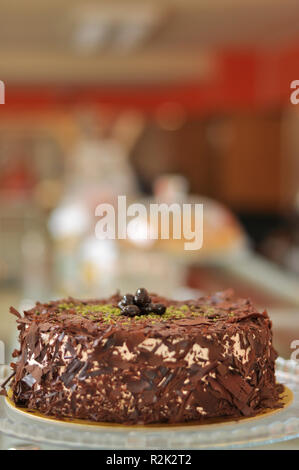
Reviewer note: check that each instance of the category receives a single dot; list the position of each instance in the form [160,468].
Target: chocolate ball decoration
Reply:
[131,310]
[142,297]
[139,304]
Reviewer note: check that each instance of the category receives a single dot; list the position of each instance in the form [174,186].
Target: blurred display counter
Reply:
[250,275]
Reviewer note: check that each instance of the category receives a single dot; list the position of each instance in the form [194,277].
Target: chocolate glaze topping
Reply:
[202,358]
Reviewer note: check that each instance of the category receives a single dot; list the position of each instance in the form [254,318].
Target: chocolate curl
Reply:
[15,312]
[3,385]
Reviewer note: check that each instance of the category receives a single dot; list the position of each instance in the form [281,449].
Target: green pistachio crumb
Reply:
[110,314]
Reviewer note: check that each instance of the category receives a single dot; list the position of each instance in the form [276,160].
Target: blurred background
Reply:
[174,101]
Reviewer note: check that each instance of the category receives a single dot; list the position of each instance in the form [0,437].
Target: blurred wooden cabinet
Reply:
[249,164]
[236,159]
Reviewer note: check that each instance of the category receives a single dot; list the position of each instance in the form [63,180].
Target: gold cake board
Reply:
[286,399]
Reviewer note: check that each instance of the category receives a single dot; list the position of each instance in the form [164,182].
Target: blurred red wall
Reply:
[244,80]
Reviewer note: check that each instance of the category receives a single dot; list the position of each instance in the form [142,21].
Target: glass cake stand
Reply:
[280,425]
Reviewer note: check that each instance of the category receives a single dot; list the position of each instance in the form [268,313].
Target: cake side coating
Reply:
[202,358]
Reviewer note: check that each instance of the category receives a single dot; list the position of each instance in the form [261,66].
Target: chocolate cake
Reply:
[145,359]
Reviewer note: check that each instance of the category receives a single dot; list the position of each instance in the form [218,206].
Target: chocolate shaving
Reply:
[15,312]
[72,369]
[3,385]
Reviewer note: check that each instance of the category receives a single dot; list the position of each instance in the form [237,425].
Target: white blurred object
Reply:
[139,233]
[69,220]
[99,169]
